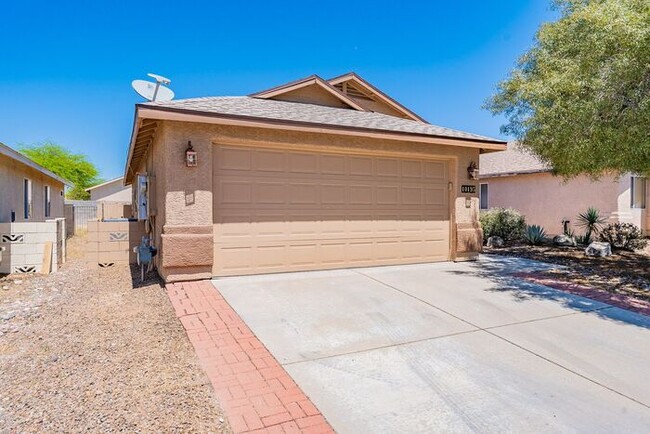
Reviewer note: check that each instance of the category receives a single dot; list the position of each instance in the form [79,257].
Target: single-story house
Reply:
[313,174]
[516,179]
[32,228]
[28,191]
[111,191]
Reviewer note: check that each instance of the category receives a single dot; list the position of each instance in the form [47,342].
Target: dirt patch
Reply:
[84,350]
[626,273]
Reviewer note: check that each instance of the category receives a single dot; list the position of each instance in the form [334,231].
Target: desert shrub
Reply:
[624,236]
[506,223]
[583,239]
[534,235]
[591,221]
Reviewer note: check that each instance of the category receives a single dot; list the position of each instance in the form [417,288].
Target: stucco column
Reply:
[187,240]
[469,235]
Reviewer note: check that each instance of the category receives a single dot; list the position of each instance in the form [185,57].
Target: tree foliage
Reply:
[580,98]
[76,168]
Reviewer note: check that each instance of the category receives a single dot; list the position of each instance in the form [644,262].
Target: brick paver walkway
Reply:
[255,391]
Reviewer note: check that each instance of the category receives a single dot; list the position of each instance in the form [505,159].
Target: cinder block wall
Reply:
[111,243]
[24,244]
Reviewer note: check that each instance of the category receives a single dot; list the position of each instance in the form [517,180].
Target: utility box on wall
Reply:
[142,197]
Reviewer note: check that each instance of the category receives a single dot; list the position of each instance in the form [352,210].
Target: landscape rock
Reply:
[495,242]
[564,240]
[598,249]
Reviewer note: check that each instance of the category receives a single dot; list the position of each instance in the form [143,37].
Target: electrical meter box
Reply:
[142,197]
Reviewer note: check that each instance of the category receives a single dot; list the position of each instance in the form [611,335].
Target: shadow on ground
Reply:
[499,270]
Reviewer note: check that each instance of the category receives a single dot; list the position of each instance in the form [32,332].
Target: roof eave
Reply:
[12,153]
[514,173]
[170,113]
[105,183]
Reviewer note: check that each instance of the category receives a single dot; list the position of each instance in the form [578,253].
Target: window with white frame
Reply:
[638,190]
[47,201]
[27,198]
[483,196]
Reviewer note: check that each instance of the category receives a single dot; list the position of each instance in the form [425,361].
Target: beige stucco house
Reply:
[28,191]
[111,191]
[313,174]
[516,179]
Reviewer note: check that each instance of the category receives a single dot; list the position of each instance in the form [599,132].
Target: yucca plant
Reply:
[534,235]
[591,221]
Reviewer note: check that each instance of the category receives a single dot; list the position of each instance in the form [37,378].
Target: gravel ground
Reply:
[88,350]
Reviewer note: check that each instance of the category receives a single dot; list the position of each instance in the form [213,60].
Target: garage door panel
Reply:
[235,158]
[360,166]
[269,161]
[333,165]
[280,210]
[387,167]
[411,169]
[303,163]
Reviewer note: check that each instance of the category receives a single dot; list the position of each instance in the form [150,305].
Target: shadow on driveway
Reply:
[501,271]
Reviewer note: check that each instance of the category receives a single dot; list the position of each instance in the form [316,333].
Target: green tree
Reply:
[74,167]
[579,99]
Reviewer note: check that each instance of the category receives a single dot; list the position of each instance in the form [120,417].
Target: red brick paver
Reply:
[619,300]
[253,388]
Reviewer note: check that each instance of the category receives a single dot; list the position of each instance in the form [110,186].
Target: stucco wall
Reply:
[112,192]
[12,174]
[546,200]
[183,201]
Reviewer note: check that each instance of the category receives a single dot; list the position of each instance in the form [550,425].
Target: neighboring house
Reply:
[314,174]
[516,179]
[28,191]
[111,191]
[31,215]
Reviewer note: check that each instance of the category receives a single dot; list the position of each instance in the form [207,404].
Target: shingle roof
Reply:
[512,161]
[313,114]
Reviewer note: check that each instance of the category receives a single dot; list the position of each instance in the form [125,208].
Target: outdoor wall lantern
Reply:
[190,155]
[472,171]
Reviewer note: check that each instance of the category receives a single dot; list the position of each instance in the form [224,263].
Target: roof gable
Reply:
[370,97]
[310,90]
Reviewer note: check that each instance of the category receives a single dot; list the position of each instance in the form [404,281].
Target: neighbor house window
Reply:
[638,192]
[483,196]
[27,199]
[47,205]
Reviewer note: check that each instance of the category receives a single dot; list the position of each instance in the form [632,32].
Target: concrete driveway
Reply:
[451,347]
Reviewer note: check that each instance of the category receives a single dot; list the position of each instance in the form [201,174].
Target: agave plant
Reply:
[534,235]
[591,221]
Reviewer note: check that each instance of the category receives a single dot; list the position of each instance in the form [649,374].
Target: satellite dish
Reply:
[153,91]
[159,78]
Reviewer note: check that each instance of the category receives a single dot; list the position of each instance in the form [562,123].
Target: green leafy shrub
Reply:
[534,235]
[506,223]
[583,240]
[591,221]
[624,236]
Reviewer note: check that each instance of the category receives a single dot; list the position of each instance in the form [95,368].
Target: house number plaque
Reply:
[468,189]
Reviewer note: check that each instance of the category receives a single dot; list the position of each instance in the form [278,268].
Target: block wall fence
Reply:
[112,243]
[24,245]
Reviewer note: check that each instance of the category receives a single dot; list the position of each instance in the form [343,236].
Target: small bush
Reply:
[583,240]
[534,235]
[505,223]
[624,236]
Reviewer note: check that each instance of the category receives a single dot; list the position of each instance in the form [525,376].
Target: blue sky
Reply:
[66,67]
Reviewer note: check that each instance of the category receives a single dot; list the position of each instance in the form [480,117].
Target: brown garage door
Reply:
[286,210]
